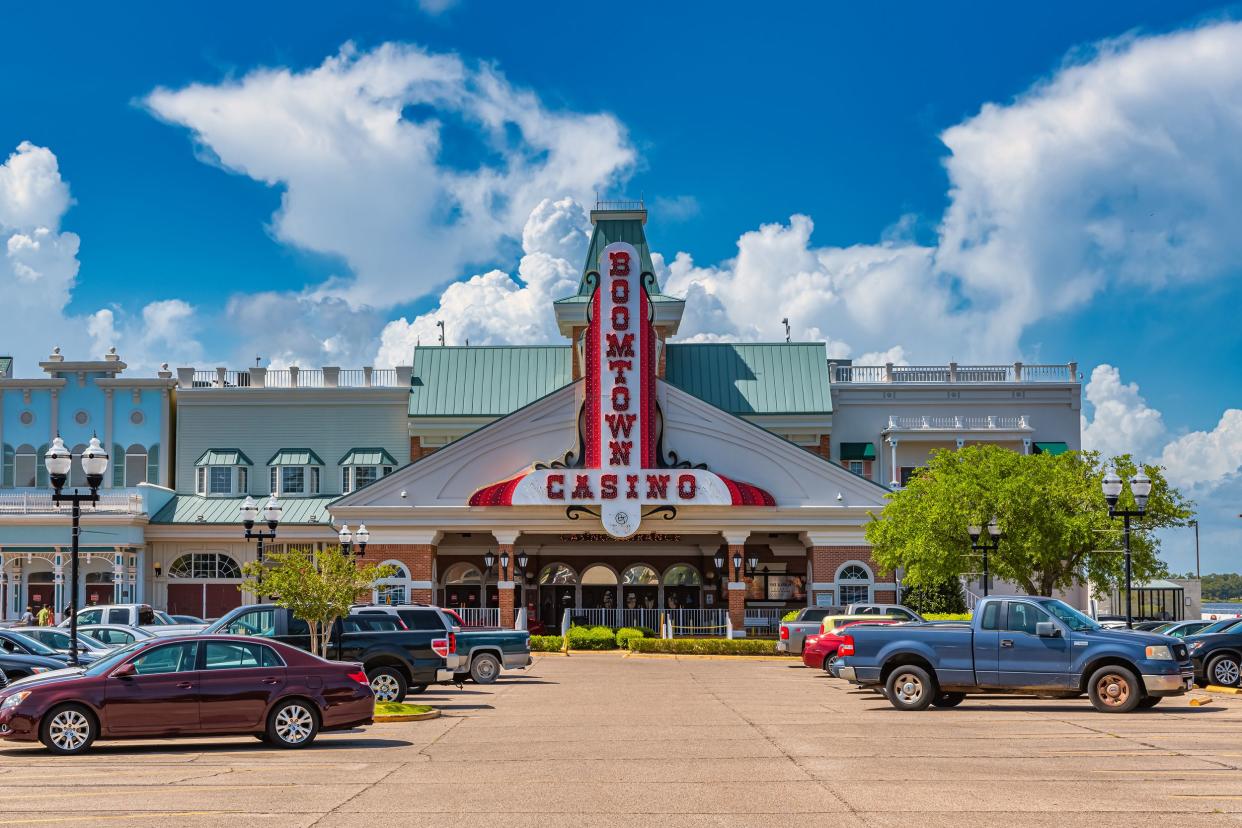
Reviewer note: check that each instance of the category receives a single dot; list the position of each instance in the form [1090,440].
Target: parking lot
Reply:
[594,740]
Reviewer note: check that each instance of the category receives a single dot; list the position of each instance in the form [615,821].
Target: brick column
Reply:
[419,558]
[504,586]
[736,585]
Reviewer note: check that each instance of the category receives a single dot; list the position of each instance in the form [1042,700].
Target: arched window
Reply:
[599,575]
[25,466]
[462,574]
[640,575]
[135,465]
[394,589]
[557,574]
[682,575]
[205,565]
[853,584]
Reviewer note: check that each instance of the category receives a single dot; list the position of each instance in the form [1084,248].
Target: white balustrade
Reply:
[954,373]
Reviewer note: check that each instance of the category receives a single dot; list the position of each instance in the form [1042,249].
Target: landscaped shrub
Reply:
[647,632]
[592,638]
[627,634]
[947,616]
[704,646]
[546,643]
[791,615]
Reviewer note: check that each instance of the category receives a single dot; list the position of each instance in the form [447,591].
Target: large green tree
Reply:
[1050,508]
[317,587]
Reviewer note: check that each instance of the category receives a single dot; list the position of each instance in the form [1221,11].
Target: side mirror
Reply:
[1047,629]
[126,670]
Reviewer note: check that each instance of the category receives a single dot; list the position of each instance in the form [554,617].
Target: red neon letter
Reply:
[619,262]
[620,318]
[620,291]
[556,487]
[687,484]
[608,486]
[582,488]
[620,398]
[620,347]
[620,424]
[632,492]
[657,486]
[620,452]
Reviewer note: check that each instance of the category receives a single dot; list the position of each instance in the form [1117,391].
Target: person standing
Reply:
[45,616]
[28,617]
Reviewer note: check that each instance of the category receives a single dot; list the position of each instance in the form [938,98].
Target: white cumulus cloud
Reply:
[1123,422]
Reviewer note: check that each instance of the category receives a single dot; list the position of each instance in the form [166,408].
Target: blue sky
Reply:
[197,230]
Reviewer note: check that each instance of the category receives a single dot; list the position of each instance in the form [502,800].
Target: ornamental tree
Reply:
[317,587]
[1050,508]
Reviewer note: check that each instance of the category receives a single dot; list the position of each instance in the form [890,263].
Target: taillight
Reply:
[360,677]
[441,646]
[811,640]
[784,633]
[452,642]
[847,646]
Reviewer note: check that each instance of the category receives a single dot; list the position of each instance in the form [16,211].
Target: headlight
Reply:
[14,700]
[1195,645]
[1159,652]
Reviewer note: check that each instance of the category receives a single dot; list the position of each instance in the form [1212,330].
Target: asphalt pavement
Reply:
[604,740]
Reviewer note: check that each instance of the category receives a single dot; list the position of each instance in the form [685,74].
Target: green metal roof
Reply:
[607,231]
[1051,448]
[367,457]
[193,509]
[295,457]
[753,377]
[223,457]
[858,451]
[486,381]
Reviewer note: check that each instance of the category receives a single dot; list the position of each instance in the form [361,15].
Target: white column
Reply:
[165,447]
[108,406]
[896,480]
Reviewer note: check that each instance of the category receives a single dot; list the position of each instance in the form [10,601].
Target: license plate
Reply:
[1190,683]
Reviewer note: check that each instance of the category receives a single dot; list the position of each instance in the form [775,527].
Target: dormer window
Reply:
[222,473]
[294,472]
[363,466]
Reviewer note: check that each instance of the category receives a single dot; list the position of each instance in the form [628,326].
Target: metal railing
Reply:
[221,378]
[39,502]
[649,618]
[958,422]
[620,205]
[294,377]
[479,616]
[954,373]
[767,619]
[712,623]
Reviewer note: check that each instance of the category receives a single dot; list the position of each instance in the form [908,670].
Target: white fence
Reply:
[1017,372]
[649,618]
[765,620]
[677,623]
[39,502]
[1015,422]
[479,616]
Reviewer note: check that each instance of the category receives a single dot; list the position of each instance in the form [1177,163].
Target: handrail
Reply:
[953,373]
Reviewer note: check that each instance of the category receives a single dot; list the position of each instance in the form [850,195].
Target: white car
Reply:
[58,640]
[114,635]
[143,616]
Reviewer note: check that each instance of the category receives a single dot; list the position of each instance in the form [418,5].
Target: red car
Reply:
[197,685]
[821,650]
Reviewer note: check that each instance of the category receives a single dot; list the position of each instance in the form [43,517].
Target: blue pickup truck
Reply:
[1017,644]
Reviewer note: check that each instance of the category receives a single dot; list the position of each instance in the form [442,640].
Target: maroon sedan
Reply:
[197,685]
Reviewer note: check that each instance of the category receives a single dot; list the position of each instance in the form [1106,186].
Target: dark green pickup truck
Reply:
[482,652]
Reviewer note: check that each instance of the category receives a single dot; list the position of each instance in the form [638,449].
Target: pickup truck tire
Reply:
[387,684]
[1114,689]
[909,687]
[484,668]
[1149,701]
[949,699]
[1224,670]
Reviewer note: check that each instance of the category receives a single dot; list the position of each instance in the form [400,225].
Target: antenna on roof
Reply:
[440,325]
[258,361]
[785,322]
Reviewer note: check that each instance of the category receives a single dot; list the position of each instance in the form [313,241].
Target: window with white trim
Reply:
[135,465]
[853,585]
[359,477]
[220,480]
[25,465]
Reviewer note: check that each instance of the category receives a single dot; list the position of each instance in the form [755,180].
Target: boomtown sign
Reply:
[620,473]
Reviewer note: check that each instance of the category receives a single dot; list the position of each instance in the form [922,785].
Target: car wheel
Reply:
[293,724]
[910,688]
[1223,671]
[829,661]
[1149,701]
[387,684]
[949,699]
[484,668]
[1114,690]
[68,730]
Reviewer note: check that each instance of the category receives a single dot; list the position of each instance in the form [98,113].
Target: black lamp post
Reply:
[348,539]
[990,545]
[1140,487]
[489,560]
[271,514]
[737,566]
[94,465]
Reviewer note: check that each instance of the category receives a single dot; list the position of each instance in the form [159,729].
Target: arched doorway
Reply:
[395,589]
[683,587]
[558,586]
[98,588]
[641,585]
[461,586]
[599,587]
[204,584]
[41,590]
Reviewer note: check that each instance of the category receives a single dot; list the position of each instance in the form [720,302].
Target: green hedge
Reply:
[592,638]
[947,616]
[627,634]
[546,643]
[704,646]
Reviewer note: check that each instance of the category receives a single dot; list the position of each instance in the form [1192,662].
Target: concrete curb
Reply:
[412,717]
[710,657]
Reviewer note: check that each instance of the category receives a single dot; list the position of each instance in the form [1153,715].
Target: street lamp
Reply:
[348,539]
[489,559]
[1140,487]
[94,464]
[990,545]
[271,514]
[737,566]
[719,561]
[504,565]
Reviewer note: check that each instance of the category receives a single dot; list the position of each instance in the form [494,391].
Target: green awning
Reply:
[367,457]
[1051,448]
[295,457]
[858,451]
[223,457]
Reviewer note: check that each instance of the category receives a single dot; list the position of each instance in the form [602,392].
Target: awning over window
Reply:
[295,457]
[367,457]
[858,451]
[1051,448]
[223,457]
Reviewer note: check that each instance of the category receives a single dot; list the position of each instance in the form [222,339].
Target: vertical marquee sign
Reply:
[620,474]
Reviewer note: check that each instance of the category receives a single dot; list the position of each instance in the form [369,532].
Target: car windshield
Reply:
[114,658]
[35,647]
[163,618]
[1073,619]
[1219,626]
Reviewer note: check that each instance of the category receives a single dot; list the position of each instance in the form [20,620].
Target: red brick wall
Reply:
[507,616]
[826,560]
[737,597]
[419,558]
[418,450]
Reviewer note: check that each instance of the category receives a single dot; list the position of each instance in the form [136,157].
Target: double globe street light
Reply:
[347,538]
[59,462]
[1140,487]
[990,545]
[271,515]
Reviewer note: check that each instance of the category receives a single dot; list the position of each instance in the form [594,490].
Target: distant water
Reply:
[1219,608]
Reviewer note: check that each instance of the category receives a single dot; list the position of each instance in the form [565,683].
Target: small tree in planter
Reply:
[318,588]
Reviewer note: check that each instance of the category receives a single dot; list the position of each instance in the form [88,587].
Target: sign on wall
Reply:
[620,475]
